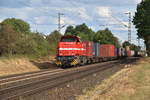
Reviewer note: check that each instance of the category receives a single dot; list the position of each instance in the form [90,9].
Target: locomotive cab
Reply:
[69,46]
[69,49]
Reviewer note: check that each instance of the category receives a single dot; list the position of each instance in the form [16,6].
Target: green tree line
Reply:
[85,33]
[132,46]
[16,38]
[142,22]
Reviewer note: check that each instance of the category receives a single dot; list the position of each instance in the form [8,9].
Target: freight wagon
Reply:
[71,51]
[107,52]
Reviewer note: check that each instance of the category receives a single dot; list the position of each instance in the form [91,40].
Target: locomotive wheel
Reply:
[83,61]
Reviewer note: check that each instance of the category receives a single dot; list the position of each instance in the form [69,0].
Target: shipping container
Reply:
[132,53]
[129,53]
[107,50]
[127,48]
[88,48]
[123,52]
[96,49]
[116,52]
[119,52]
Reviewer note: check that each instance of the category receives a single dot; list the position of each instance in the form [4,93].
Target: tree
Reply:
[16,38]
[142,22]
[70,31]
[53,39]
[84,32]
[106,37]
[8,39]
[81,30]
[18,25]
[135,48]
[126,43]
[43,46]
[132,46]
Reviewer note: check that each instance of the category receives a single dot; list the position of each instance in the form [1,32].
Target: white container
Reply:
[132,52]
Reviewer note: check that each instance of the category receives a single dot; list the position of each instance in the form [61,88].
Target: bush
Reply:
[15,41]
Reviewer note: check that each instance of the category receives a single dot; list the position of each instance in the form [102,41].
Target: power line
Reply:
[119,21]
[72,3]
[127,26]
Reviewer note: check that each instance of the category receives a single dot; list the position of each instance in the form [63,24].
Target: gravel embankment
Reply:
[71,90]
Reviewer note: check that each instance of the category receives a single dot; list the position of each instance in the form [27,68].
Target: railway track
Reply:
[18,78]
[47,80]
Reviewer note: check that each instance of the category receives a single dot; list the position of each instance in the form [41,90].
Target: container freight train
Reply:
[71,51]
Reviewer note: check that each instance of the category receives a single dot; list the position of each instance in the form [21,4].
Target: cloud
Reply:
[22,13]
[93,28]
[112,3]
[103,11]
[120,29]
[42,15]
[40,20]
[35,3]
[68,21]
[121,39]
[137,1]
[1,19]
[65,21]
[14,3]
[83,13]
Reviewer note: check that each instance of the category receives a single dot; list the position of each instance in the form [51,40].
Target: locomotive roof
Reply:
[71,36]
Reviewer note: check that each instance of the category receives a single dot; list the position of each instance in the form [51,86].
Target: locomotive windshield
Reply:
[68,39]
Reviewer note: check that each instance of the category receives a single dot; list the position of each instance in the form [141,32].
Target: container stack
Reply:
[107,50]
[132,53]
[128,51]
[96,49]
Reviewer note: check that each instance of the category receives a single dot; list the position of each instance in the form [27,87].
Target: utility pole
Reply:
[59,22]
[129,27]
[138,41]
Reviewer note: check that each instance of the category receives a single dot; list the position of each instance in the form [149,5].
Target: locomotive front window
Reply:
[68,40]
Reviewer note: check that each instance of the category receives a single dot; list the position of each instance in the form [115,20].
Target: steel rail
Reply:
[50,82]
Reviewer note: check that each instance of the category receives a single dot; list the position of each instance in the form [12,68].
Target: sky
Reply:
[42,15]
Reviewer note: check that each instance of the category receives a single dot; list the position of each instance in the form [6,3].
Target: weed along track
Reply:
[28,84]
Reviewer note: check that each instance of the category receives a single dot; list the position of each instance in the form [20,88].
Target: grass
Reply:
[141,80]
[131,83]
[30,57]
[14,64]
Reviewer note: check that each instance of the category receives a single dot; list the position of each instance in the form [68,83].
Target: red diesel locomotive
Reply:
[72,51]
